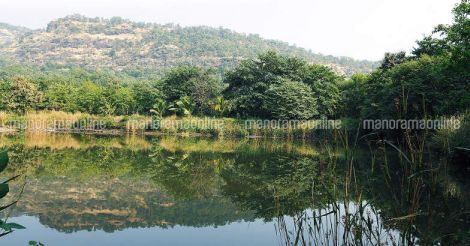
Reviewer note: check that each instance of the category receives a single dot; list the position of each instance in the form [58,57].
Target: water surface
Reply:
[89,190]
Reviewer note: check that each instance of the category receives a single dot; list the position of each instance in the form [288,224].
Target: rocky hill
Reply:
[123,45]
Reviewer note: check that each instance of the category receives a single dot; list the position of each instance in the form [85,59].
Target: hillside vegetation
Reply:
[140,48]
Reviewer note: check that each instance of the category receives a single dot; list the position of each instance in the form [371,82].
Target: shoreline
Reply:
[121,132]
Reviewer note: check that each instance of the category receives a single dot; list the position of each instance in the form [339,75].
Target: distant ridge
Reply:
[124,45]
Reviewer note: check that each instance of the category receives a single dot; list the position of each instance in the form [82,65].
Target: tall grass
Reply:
[57,121]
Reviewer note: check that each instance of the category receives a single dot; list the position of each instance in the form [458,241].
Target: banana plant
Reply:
[159,109]
[220,105]
[184,106]
[6,228]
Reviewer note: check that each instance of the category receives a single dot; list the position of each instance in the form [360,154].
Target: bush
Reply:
[291,100]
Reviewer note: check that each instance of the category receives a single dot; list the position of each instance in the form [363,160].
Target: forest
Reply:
[211,134]
[432,81]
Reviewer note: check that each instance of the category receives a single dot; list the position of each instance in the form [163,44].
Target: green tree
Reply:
[248,83]
[122,99]
[453,39]
[61,96]
[392,59]
[22,95]
[324,84]
[353,95]
[221,106]
[177,83]
[183,107]
[291,100]
[90,98]
[146,93]
[202,86]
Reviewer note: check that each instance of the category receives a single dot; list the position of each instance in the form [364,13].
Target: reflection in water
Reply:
[310,194]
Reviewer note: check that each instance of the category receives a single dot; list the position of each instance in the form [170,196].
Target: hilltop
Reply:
[136,47]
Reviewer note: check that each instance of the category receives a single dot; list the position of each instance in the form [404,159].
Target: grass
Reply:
[57,121]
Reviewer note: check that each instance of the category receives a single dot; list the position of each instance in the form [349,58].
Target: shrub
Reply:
[291,100]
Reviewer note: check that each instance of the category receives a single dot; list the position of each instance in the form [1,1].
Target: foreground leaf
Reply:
[3,160]
[4,189]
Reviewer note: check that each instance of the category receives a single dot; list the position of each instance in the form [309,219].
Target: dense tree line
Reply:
[284,87]
[432,81]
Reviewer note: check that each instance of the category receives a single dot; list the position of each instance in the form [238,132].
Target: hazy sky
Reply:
[363,29]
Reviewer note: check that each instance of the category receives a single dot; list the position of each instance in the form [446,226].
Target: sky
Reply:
[362,29]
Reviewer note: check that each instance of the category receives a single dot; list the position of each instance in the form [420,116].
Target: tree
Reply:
[453,39]
[248,83]
[177,83]
[204,89]
[324,84]
[183,107]
[122,99]
[221,105]
[91,98]
[433,82]
[22,95]
[353,95]
[61,96]
[392,59]
[290,100]
[146,93]
[202,86]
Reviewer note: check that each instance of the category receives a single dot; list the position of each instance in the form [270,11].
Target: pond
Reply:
[92,190]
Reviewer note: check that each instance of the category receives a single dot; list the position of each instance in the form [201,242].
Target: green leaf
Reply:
[34,243]
[4,189]
[3,160]
[10,226]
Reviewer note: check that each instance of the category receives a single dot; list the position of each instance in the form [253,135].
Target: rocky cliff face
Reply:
[120,44]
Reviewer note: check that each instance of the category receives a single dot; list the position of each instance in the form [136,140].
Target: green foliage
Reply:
[324,84]
[156,47]
[159,108]
[221,106]
[5,226]
[89,98]
[177,83]
[434,82]
[189,90]
[249,82]
[183,107]
[201,86]
[3,160]
[392,59]
[450,40]
[35,243]
[353,95]
[61,96]
[460,137]
[21,95]
[146,93]
[291,100]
